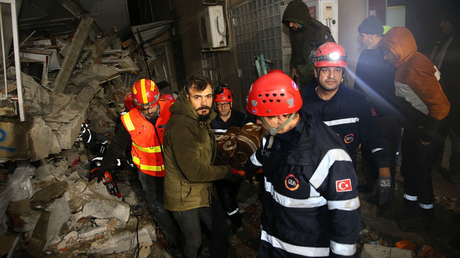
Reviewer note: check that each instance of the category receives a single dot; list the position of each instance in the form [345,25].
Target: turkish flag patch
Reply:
[343,185]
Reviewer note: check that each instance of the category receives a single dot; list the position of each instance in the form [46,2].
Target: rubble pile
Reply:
[50,206]
[62,77]
[58,211]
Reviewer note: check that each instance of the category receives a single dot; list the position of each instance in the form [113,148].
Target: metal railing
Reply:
[17,64]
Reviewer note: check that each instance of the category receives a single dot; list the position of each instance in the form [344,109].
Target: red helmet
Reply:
[145,92]
[274,94]
[224,97]
[129,101]
[330,54]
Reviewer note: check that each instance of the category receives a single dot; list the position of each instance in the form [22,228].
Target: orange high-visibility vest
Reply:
[146,146]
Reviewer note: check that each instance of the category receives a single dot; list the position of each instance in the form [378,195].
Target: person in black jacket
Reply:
[228,117]
[346,111]
[375,79]
[310,201]
[305,35]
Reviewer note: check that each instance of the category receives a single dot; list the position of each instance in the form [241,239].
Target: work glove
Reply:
[384,190]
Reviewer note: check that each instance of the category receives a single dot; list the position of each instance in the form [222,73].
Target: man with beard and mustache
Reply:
[142,128]
[344,110]
[190,150]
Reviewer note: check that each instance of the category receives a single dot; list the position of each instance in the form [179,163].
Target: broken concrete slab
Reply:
[378,251]
[118,243]
[43,141]
[68,241]
[22,217]
[59,215]
[49,172]
[43,197]
[96,72]
[121,242]
[19,188]
[36,98]
[75,191]
[76,45]
[101,208]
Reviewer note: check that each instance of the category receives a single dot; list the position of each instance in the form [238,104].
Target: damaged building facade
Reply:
[71,62]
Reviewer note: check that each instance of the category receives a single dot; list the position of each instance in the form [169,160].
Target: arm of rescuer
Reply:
[335,180]
[187,155]
[373,140]
[117,148]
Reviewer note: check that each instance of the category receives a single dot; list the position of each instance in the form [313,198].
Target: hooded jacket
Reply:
[189,152]
[310,36]
[416,71]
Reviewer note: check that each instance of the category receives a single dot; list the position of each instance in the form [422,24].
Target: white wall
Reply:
[351,14]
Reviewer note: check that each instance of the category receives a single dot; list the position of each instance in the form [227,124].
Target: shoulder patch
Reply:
[291,182]
[343,185]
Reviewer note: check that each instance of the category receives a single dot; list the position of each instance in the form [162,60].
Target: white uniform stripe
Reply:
[328,160]
[343,249]
[285,201]
[376,149]
[294,249]
[220,130]
[426,206]
[342,121]
[412,198]
[313,192]
[233,212]
[346,205]
[255,161]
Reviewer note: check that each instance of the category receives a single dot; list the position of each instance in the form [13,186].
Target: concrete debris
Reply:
[378,251]
[122,242]
[96,72]
[101,208]
[43,141]
[21,216]
[59,215]
[43,197]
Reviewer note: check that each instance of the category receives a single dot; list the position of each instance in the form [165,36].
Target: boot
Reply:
[410,219]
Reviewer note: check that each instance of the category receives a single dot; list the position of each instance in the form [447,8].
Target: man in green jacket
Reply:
[189,154]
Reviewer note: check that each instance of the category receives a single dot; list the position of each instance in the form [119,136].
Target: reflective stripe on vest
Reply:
[147,167]
[154,149]
[127,121]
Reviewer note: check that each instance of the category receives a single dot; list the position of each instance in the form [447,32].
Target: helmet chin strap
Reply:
[274,131]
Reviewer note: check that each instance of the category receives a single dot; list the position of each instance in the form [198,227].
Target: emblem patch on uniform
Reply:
[343,185]
[349,138]
[291,182]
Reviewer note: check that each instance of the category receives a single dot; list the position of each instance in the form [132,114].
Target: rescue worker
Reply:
[228,117]
[425,107]
[305,34]
[346,111]
[375,79]
[190,150]
[142,127]
[310,202]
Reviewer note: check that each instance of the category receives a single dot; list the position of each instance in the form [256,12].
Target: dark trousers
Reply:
[417,162]
[153,192]
[213,219]
[228,191]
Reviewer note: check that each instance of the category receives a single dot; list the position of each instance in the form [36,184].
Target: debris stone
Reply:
[102,208]
[46,195]
[378,251]
[59,215]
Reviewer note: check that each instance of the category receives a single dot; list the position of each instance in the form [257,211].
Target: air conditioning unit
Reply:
[213,29]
